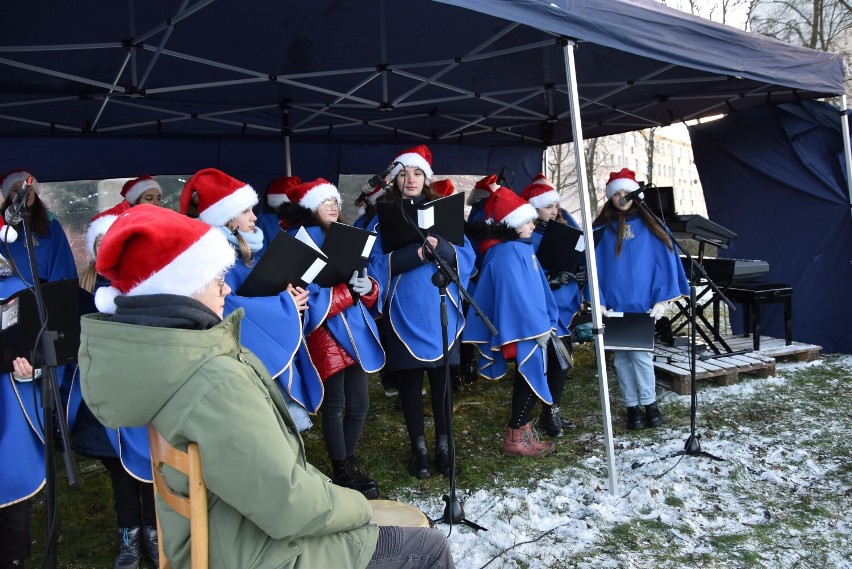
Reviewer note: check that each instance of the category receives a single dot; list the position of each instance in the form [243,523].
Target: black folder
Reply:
[348,250]
[629,331]
[285,261]
[563,248]
[20,325]
[443,217]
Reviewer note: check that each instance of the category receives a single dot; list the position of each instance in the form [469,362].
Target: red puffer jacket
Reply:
[328,356]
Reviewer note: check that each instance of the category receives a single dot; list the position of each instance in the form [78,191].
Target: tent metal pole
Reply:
[847,153]
[288,167]
[591,263]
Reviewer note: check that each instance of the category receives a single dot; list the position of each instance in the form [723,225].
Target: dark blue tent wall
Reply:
[774,176]
[256,161]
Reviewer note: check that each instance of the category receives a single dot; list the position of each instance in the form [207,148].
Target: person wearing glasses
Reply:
[411,316]
[341,334]
[164,352]
[272,328]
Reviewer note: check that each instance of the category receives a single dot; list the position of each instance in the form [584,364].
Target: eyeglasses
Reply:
[331,205]
[221,282]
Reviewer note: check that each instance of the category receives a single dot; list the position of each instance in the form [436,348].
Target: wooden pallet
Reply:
[672,367]
[776,348]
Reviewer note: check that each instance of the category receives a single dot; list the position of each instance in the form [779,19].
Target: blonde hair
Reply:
[89,277]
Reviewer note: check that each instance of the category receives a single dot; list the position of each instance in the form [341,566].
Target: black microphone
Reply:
[634,195]
[378,179]
[13,214]
[501,178]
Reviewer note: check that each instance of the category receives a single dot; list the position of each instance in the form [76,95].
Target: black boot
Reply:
[653,417]
[634,418]
[130,551]
[553,422]
[348,475]
[442,455]
[418,464]
[151,544]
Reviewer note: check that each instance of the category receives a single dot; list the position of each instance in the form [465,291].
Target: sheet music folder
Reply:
[443,216]
[563,248]
[348,250]
[285,261]
[19,323]
[629,331]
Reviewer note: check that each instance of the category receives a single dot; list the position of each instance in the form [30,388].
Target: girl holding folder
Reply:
[272,328]
[639,271]
[341,335]
[411,317]
[566,291]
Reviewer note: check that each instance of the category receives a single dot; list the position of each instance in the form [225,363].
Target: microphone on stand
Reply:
[13,214]
[501,178]
[637,195]
[378,179]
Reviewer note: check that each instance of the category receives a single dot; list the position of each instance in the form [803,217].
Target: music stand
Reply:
[692,445]
[454,510]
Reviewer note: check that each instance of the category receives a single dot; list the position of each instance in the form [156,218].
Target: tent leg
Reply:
[847,153]
[591,263]
[288,168]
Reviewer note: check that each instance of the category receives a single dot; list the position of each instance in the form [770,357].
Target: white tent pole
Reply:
[847,153]
[591,263]
[288,169]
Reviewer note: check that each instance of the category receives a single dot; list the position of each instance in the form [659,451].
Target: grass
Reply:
[87,523]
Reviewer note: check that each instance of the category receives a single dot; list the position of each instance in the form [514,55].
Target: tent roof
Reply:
[488,72]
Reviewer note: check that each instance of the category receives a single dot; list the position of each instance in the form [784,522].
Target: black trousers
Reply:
[14,532]
[411,399]
[344,411]
[134,499]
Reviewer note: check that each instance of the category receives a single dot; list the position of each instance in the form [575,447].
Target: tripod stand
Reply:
[44,356]
[692,445]
[442,278]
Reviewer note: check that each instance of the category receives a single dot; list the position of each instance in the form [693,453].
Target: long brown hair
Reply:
[38,215]
[610,214]
[89,277]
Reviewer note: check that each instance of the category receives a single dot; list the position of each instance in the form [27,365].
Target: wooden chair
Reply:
[193,508]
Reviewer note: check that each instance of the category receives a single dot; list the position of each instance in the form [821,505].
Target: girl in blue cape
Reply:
[267,218]
[638,271]
[541,194]
[342,337]
[512,291]
[272,327]
[124,451]
[54,259]
[411,318]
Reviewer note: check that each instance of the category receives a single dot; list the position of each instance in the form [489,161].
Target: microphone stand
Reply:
[692,445]
[50,399]
[454,510]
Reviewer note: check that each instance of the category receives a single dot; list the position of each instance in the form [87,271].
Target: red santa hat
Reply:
[101,222]
[442,188]
[310,195]
[540,192]
[276,193]
[154,250]
[419,157]
[220,197]
[7,232]
[625,181]
[133,189]
[482,189]
[505,206]
[10,179]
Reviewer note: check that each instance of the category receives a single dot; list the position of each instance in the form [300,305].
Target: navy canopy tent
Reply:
[104,89]
[776,176]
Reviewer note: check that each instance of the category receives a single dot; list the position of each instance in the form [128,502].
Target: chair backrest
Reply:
[194,508]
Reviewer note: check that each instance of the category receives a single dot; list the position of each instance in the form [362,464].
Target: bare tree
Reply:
[818,24]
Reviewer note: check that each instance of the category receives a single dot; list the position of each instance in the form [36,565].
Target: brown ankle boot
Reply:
[525,442]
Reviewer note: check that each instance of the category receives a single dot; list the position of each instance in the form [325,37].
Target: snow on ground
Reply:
[696,501]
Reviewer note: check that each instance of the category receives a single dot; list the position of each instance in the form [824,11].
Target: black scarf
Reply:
[164,311]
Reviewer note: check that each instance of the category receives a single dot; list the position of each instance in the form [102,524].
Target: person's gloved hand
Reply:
[542,340]
[658,310]
[360,284]
[606,311]
[581,278]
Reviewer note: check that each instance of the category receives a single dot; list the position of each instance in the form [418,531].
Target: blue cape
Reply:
[512,291]
[354,328]
[272,329]
[644,274]
[412,303]
[54,259]
[268,223]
